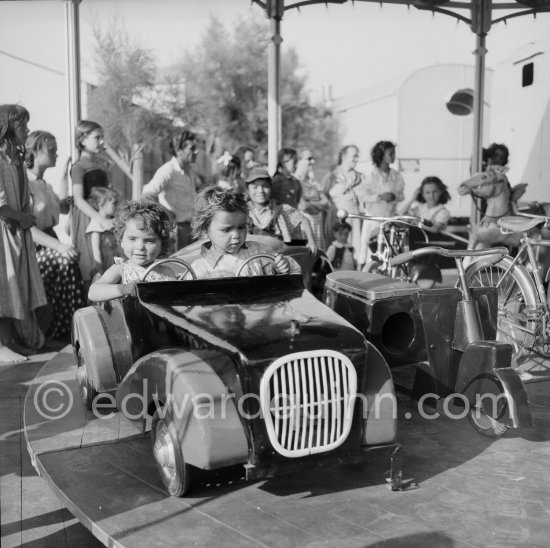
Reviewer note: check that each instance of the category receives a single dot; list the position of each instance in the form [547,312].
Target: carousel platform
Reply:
[102,470]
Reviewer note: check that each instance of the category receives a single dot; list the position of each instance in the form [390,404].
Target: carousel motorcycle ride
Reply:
[440,341]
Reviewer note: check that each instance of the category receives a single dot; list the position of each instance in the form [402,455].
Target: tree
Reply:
[226,91]
[126,74]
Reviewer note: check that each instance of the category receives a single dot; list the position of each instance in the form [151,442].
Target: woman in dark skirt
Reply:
[58,261]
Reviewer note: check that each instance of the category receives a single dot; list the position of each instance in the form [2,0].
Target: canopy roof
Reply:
[478,14]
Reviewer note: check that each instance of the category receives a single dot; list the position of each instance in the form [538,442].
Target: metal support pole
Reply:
[273,93]
[137,172]
[479,92]
[72,46]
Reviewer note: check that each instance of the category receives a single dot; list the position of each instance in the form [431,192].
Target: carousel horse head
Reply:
[487,184]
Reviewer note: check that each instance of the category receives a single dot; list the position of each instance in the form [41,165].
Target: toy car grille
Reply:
[307,402]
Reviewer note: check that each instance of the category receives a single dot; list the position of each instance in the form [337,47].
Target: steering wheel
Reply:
[181,262]
[254,258]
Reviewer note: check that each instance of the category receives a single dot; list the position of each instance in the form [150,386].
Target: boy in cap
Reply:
[269,217]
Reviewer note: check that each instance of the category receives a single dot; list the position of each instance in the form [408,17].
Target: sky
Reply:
[348,47]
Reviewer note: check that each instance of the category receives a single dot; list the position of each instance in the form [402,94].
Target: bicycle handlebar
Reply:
[498,252]
[408,220]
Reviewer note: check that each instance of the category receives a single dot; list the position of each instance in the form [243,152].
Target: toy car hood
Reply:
[261,318]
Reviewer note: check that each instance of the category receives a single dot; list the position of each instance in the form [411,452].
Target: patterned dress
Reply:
[134,273]
[60,274]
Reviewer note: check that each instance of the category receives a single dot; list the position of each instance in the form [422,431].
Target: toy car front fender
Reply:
[91,341]
[208,425]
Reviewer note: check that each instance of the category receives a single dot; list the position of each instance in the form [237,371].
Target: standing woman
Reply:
[21,288]
[58,261]
[384,189]
[345,188]
[88,171]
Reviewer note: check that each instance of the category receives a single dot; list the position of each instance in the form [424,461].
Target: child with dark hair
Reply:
[102,241]
[428,202]
[340,252]
[222,216]
[145,232]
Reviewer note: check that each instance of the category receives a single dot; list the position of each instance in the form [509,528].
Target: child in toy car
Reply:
[145,232]
[221,215]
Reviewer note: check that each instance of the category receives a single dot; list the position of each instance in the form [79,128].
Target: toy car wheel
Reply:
[87,392]
[175,473]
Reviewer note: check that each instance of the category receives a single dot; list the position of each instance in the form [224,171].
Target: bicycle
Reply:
[523,300]
[392,240]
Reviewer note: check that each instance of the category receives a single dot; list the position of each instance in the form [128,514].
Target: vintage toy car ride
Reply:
[250,370]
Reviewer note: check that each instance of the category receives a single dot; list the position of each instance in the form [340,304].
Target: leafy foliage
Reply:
[219,89]
[127,75]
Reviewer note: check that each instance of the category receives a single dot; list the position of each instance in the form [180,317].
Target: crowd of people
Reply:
[109,241]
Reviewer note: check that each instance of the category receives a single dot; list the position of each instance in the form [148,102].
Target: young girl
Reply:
[21,288]
[145,232]
[91,170]
[222,216]
[428,202]
[103,242]
[384,189]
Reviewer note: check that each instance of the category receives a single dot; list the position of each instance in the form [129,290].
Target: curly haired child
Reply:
[145,232]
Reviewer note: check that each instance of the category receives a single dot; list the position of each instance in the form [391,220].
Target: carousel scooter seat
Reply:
[369,286]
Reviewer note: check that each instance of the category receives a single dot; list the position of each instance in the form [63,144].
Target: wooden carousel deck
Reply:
[467,491]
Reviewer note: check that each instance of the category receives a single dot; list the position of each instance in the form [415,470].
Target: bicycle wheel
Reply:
[516,324]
